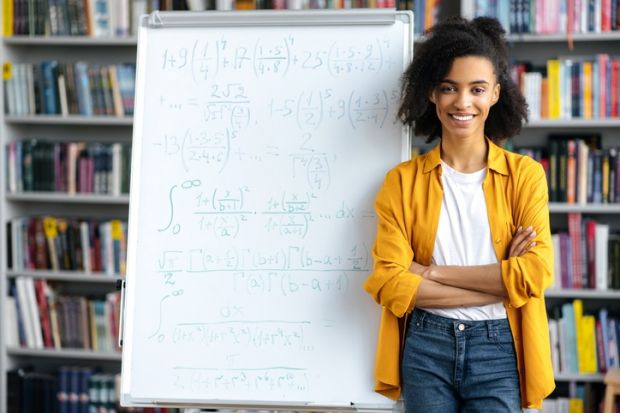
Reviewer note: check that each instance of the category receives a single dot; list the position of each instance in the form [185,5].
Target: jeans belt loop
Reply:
[492,328]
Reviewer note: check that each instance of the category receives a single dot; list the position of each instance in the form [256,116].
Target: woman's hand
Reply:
[522,242]
[423,270]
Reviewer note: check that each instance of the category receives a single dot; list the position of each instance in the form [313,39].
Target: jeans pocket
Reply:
[504,342]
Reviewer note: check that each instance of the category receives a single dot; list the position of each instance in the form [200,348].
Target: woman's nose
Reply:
[463,100]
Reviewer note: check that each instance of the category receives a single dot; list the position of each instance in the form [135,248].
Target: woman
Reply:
[463,250]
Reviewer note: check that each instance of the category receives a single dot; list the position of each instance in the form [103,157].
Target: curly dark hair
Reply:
[452,38]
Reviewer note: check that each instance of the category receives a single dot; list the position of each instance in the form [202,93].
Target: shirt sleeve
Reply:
[391,284]
[528,275]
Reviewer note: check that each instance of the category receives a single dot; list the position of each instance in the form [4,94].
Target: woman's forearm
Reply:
[482,278]
[432,294]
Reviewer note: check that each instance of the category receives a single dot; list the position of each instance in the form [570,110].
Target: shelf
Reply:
[64,354]
[563,37]
[556,207]
[573,123]
[63,197]
[70,120]
[69,41]
[75,276]
[598,377]
[582,293]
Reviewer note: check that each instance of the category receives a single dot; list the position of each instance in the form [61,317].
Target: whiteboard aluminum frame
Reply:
[353,17]
[158,20]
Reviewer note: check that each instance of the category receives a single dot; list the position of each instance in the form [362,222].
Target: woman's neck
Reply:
[464,155]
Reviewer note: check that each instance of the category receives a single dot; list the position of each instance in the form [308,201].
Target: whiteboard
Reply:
[260,140]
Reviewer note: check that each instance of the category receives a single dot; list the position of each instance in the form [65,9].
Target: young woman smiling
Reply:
[463,248]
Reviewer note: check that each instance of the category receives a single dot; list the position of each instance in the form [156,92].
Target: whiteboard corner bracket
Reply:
[155,21]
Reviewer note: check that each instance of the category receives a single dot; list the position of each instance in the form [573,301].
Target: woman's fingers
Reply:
[522,241]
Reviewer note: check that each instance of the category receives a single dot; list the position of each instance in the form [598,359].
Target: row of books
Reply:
[570,88]
[579,398]
[563,405]
[69,390]
[583,343]
[55,88]
[96,18]
[578,171]
[37,316]
[586,257]
[310,4]
[120,18]
[71,167]
[69,244]
[548,16]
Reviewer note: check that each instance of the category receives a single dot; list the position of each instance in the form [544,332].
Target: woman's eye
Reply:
[447,89]
[479,90]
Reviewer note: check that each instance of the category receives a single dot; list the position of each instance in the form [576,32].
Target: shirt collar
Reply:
[496,160]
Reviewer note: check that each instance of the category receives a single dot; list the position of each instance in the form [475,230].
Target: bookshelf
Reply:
[58,128]
[21,49]
[538,49]
[32,49]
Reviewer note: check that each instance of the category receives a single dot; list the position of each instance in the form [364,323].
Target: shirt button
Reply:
[497,241]
[461,327]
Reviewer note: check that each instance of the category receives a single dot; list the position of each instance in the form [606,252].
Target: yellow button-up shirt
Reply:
[408,206]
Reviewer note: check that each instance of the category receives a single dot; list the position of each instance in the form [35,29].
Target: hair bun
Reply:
[490,27]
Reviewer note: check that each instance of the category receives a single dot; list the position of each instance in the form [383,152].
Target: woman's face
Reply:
[465,96]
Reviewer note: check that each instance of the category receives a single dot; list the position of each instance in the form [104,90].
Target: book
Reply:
[587,353]
[33,311]
[568,315]
[53,243]
[602,328]
[40,286]
[601,256]
[11,324]
[599,349]
[50,87]
[574,229]
[553,85]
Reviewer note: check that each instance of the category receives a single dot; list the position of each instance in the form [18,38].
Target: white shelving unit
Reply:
[69,120]
[69,41]
[539,48]
[573,123]
[68,198]
[21,49]
[70,276]
[559,208]
[563,38]
[68,355]
[585,294]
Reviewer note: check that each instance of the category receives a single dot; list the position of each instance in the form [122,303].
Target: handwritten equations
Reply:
[258,154]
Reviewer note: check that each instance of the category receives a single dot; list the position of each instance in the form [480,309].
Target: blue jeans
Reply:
[459,366]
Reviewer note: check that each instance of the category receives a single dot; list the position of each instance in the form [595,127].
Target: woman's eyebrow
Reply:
[474,82]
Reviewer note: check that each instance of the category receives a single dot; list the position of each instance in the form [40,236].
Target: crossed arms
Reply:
[449,286]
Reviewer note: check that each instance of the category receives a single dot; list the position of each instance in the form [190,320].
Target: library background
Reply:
[66,125]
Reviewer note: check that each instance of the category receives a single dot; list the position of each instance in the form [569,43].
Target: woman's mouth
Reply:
[462,118]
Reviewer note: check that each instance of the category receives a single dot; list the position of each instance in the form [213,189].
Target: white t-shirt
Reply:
[464,235]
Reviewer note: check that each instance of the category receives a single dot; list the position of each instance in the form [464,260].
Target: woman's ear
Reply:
[431,96]
[496,92]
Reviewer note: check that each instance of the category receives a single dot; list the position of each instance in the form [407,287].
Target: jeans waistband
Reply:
[422,318]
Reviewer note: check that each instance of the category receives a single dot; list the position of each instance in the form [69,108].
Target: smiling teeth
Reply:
[467,117]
